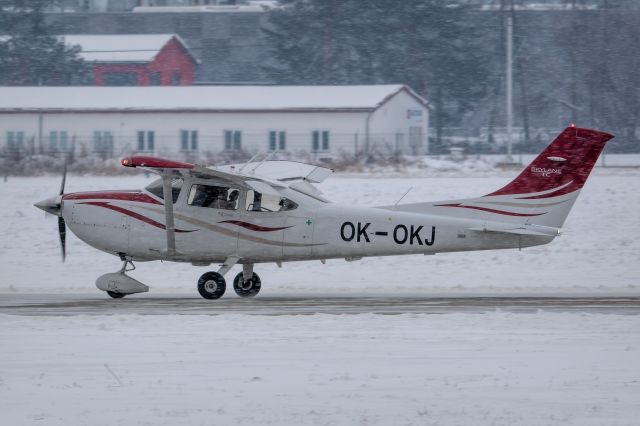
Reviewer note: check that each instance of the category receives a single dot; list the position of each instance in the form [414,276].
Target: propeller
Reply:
[53,206]
[62,227]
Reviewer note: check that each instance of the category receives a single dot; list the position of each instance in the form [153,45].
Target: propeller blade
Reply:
[62,232]
[64,177]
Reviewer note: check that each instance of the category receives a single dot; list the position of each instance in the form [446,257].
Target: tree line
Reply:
[570,66]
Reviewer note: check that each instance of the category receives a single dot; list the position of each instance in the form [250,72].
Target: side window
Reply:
[286,205]
[156,189]
[232,140]
[188,140]
[257,202]
[215,197]
[320,140]
[146,140]
[277,140]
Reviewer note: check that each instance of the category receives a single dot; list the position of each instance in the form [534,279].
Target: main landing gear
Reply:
[212,285]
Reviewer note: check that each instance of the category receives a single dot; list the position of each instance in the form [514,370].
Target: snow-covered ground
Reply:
[455,369]
[493,368]
[599,251]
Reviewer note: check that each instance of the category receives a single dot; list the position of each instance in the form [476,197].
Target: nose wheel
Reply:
[116,295]
[247,288]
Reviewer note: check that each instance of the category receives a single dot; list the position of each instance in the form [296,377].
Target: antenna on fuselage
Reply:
[404,195]
[263,160]
[248,162]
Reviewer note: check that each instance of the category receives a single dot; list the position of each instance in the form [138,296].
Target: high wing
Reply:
[277,173]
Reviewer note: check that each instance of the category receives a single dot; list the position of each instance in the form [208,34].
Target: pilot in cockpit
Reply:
[233,200]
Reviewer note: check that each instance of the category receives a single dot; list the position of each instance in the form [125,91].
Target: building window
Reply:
[103,141]
[121,79]
[154,79]
[188,140]
[232,140]
[277,140]
[320,140]
[58,140]
[15,141]
[146,140]
[176,78]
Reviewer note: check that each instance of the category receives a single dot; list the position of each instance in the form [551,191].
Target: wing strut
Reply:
[167,192]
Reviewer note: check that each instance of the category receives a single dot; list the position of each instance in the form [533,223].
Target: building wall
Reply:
[171,61]
[347,131]
[400,124]
[344,129]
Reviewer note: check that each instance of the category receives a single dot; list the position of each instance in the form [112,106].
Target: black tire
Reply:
[211,285]
[116,295]
[249,288]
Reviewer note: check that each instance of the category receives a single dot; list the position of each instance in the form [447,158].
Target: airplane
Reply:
[270,211]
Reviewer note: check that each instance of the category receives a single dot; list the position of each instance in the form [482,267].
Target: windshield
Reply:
[155,188]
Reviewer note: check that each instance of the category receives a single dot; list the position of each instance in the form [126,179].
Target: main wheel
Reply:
[116,295]
[246,288]
[211,285]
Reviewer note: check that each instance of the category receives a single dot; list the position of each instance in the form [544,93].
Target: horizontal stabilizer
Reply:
[543,231]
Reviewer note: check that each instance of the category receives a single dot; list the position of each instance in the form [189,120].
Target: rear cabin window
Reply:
[216,197]
[155,188]
[257,202]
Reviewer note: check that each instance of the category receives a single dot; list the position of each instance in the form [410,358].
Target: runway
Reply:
[100,304]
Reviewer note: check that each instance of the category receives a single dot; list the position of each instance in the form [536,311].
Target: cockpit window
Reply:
[216,197]
[286,205]
[155,188]
[257,202]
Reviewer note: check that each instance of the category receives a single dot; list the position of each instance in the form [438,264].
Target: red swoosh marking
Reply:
[253,227]
[113,195]
[132,214]
[502,212]
[557,193]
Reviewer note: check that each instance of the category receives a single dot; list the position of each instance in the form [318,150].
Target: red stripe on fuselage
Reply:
[136,196]
[484,209]
[253,227]
[131,214]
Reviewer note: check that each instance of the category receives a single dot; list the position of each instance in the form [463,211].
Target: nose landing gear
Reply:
[119,284]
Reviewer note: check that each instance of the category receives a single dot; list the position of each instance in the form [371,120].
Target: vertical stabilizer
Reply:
[543,193]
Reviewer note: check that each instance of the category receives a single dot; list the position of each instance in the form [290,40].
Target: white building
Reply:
[168,121]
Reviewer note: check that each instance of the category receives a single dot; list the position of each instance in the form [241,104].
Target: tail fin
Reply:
[562,168]
[546,189]
[543,193]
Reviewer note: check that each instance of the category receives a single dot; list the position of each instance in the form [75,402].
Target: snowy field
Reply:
[455,369]
[492,368]
[599,251]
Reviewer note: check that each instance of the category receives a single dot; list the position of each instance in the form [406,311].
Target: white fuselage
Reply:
[132,223]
